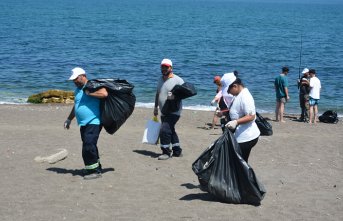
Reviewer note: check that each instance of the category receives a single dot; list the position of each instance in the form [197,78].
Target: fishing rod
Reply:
[301,48]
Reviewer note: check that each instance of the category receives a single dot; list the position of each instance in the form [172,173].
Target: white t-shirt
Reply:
[243,104]
[315,88]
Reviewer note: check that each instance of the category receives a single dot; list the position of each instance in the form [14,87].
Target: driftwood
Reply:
[54,158]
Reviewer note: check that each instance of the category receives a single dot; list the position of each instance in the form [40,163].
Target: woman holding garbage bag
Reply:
[242,114]
[222,169]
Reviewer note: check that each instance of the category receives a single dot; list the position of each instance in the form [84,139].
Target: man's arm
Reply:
[70,118]
[305,82]
[156,104]
[101,93]
[286,92]
[72,114]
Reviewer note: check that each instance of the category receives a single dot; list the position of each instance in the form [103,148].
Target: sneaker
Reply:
[164,157]
[177,151]
[177,155]
[92,176]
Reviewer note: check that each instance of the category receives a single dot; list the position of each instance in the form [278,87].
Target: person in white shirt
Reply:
[315,87]
[242,114]
[226,98]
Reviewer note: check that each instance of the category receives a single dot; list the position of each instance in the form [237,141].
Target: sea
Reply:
[42,40]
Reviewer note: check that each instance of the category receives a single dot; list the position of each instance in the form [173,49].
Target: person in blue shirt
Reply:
[282,96]
[87,112]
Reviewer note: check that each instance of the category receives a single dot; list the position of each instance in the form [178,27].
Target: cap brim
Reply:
[73,77]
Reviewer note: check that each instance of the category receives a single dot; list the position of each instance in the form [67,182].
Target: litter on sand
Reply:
[54,158]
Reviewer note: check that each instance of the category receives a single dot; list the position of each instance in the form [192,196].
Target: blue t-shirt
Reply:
[280,83]
[87,108]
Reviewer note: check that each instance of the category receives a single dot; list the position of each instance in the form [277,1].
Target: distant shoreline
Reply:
[191,108]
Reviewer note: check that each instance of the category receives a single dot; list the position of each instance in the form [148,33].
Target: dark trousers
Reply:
[304,105]
[246,148]
[90,154]
[168,134]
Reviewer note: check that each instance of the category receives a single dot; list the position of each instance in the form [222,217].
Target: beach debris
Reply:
[52,96]
[54,158]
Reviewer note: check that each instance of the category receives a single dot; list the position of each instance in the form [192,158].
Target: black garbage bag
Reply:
[264,126]
[171,106]
[118,106]
[224,174]
[180,92]
[184,91]
[329,116]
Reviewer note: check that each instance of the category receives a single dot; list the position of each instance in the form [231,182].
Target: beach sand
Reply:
[300,166]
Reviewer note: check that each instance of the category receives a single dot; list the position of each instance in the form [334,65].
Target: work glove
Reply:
[67,124]
[170,96]
[232,124]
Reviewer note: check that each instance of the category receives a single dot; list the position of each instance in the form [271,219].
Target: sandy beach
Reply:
[301,167]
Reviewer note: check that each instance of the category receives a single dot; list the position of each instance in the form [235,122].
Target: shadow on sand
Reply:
[75,172]
[197,196]
[147,153]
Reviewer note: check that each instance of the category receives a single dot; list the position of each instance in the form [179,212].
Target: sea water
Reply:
[42,40]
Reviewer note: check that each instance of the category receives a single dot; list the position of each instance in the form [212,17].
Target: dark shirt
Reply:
[304,85]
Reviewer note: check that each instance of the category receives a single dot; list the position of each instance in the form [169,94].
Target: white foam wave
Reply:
[191,107]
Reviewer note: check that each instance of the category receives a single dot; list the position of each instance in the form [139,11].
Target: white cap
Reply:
[306,70]
[76,72]
[166,62]
[226,81]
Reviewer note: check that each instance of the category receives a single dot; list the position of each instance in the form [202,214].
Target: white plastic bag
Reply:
[151,132]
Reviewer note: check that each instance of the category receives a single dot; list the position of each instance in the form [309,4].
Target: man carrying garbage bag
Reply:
[169,118]
[87,112]
[99,103]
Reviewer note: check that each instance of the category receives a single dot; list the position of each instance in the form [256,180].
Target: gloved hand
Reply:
[67,124]
[170,96]
[213,102]
[232,124]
